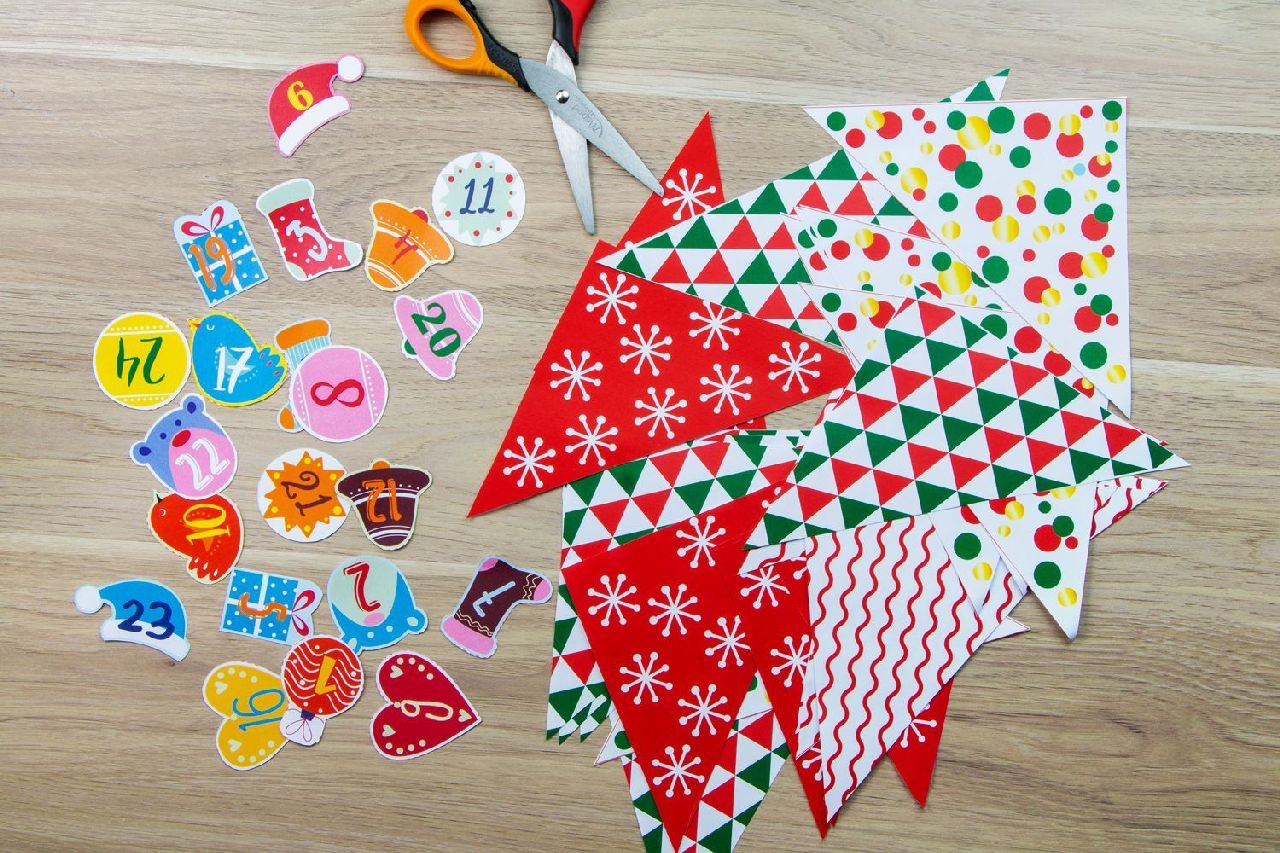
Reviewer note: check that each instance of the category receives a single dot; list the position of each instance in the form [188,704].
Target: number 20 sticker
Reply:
[478,198]
[438,328]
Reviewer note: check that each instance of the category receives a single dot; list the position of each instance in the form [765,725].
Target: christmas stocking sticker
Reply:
[404,244]
[424,710]
[438,328]
[495,589]
[142,611]
[307,249]
[207,532]
[303,100]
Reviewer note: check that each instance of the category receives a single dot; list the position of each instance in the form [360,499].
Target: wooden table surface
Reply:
[1157,727]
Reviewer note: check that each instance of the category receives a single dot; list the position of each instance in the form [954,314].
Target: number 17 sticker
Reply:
[438,328]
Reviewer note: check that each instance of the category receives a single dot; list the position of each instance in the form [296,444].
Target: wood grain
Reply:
[1157,728]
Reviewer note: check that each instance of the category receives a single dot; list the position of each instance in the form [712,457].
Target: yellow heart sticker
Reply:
[251,702]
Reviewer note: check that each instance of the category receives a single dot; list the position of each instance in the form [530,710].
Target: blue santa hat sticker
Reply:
[143,612]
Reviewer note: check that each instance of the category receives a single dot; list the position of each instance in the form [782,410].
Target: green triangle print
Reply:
[758,272]
[662,241]
[855,512]
[768,201]
[730,207]
[838,168]
[899,344]
[733,299]
[838,435]
[991,404]
[893,207]
[697,237]
[1084,464]
[804,173]
[631,266]
[981,92]
[736,485]
[561,631]
[809,463]
[572,521]
[780,527]
[752,446]
[870,370]
[914,420]
[797,275]
[564,701]
[931,496]
[695,494]
[957,431]
[1034,414]
[627,475]
[1065,393]
[624,538]
[1044,484]
[586,487]
[1159,453]
[941,354]
[718,840]
[1008,481]
[881,447]
[972,332]
[758,774]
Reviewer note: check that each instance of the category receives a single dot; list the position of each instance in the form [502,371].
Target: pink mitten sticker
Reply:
[336,393]
[438,328]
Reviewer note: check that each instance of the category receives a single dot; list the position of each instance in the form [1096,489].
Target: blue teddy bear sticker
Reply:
[188,451]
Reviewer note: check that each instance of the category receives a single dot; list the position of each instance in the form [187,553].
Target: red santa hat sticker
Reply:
[303,100]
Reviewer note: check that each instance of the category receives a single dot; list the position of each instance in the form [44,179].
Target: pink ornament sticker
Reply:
[336,393]
[438,328]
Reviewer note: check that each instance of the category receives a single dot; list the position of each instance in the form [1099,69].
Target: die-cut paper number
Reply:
[298,498]
[141,360]
[404,244]
[276,608]
[478,198]
[219,252]
[386,500]
[322,678]
[251,702]
[228,365]
[372,604]
[143,612]
[207,532]
[437,329]
[336,393]
[424,708]
[188,451]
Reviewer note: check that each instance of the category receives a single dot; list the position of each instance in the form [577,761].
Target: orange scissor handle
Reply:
[488,57]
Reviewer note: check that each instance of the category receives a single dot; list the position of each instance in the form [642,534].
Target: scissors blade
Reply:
[563,97]
[573,146]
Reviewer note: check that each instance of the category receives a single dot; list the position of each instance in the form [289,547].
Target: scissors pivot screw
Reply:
[562,97]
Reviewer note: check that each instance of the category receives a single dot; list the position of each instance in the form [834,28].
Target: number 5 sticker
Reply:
[437,329]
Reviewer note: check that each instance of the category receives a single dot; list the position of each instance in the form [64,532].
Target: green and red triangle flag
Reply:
[632,368]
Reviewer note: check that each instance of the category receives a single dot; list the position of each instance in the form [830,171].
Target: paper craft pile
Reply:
[953,280]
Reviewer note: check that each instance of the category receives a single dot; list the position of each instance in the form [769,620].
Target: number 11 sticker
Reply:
[478,198]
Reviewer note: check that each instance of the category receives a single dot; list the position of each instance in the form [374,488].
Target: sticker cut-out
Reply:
[404,244]
[298,496]
[208,532]
[495,589]
[322,678]
[228,365]
[251,702]
[437,329]
[188,451]
[219,252]
[308,250]
[275,608]
[386,499]
[424,708]
[336,393]
[303,100]
[141,360]
[478,198]
[372,604]
[143,612]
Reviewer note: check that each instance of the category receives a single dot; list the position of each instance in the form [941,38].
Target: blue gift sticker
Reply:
[275,608]
[218,252]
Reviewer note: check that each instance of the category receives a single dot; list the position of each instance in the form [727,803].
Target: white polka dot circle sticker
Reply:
[478,198]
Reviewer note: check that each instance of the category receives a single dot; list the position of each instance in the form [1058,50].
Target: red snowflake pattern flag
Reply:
[916,752]
[677,672]
[691,187]
[633,368]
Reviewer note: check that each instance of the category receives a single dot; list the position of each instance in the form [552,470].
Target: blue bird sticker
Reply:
[229,366]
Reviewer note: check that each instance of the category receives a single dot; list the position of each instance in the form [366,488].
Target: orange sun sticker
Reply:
[298,497]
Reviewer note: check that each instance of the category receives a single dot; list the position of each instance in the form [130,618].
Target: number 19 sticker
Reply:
[478,198]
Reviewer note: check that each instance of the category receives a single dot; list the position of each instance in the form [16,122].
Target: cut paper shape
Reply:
[740,254]
[218,251]
[690,187]
[386,499]
[322,678]
[404,244]
[336,393]
[141,360]
[298,495]
[208,532]
[228,365]
[478,198]
[495,590]
[437,329]
[952,421]
[188,451]
[1123,499]
[372,604]
[250,700]
[275,608]
[143,612]
[1030,193]
[303,100]
[1045,539]
[974,555]
[307,249]
[633,368]
[425,709]
[915,754]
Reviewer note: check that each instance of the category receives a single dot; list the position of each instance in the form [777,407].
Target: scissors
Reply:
[575,120]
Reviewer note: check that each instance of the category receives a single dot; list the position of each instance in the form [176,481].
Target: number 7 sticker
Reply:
[438,328]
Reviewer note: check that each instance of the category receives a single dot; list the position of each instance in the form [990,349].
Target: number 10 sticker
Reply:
[478,198]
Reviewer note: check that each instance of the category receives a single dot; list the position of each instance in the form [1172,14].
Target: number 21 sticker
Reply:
[298,495]
[478,198]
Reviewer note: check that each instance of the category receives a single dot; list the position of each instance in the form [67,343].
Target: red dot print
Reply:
[1035,288]
[448,213]
[510,214]
[840,250]
[816,261]
[884,313]
[1056,363]
[510,178]
[477,164]
[1092,229]
[1028,255]
[1026,204]
[892,126]
[1036,126]
[982,251]
[950,156]
[917,113]
[913,260]
[1069,265]
[1046,539]
[907,243]
[918,195]
[1027,339]
[1099,169]
[1113,319]
[1072,542]
[989,208]
[1108,251]
[475,233]
[847,321]
[931,287]
[878,249]
[1070,145]
[1084,389]
[1086,111]
[929,127]
[855,138]
[967,513]
[1086,320]
[451,179]
[998,506]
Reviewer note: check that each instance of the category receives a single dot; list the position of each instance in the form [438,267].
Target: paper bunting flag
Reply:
[634,367]
[1127,494]
[648,608]
[943,416]
[741,255]
[1030,194]
[690,187]
[973,553]
[916,753]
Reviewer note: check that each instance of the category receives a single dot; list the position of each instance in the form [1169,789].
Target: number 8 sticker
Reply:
[437,329]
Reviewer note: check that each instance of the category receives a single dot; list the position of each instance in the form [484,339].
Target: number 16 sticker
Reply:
[438,328]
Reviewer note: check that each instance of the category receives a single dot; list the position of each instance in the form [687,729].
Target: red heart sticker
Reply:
[207,532]
[425,709]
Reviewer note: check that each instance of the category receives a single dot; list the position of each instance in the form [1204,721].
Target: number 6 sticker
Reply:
[437,329]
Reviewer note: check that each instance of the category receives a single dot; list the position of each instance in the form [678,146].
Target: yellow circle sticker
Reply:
[141,360]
